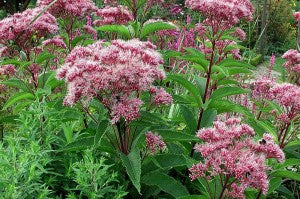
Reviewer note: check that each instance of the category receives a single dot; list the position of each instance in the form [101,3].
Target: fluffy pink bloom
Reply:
[65,8]
[114,74]
[239,33]
[126,108]
[7,70]
[162,97]
[113,15]
[297,16]
[229,151]
[292,58]
[112,2]
[90,30]
[222,14]
[176,9]
[200,29]
[154,142]
[56,41]
[18,27]
[261,88]
[288,96]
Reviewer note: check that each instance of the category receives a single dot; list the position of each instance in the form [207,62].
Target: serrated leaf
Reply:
[79,144]
[120,29]
[43,57]
[274,184]
[209,116]
[287,174]
[101,130]
[132,164]
[78,39]
[193,197]
[165,183]
[169,135]
[289,162]
[189,118]
[18,97]
[223,106]
[17,83]
[154,27]
[189,86]
[169,160]
[235,63]
[227,91]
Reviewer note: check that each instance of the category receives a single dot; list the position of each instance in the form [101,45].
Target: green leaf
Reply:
[78,39]
[227,91]
[274,184]
[287,174]
[43,57]
[227,82]
[235,63]
[193,197]
[289,162]
[18,97]
[223,106]
[101,130]
[17,83]
[267,127]
[293,143]
[8,119]
[208,117]
[80,144]
[141,3]
[156,26]
[120,29]
[238,70]
[165,183]
[169,160]
[233,47]
[132,163]
[196,59]
[169,136]
[11,61]
[189,118]
[189,86]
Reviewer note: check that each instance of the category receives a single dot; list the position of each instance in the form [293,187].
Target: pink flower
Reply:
[115,74]
[126,108]
[230,152]
[56,41]
[200,29]
[18,27]
[222,14]
[297,16]
[7,70]
[162,97]
[292,58]
[239,33]
[64,8]
[154,142]
[113,15]
[90,30]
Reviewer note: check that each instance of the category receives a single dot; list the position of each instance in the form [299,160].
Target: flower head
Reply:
[115,74]
[65,8]
[230,151]
[113,15]
[154,142]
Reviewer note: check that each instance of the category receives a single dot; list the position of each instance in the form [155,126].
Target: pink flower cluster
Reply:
[222,14]
[230,152]
[239,33]
[287,96]
[293,61]
[7,70]
[115,74]
[18,27]
[63,8]
[161,97]
[297,16]
[154,142]
[56,41]
[113,15]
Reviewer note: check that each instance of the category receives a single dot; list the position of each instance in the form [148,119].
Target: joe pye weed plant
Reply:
[102,99]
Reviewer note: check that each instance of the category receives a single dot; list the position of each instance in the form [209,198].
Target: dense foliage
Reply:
[147,99]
